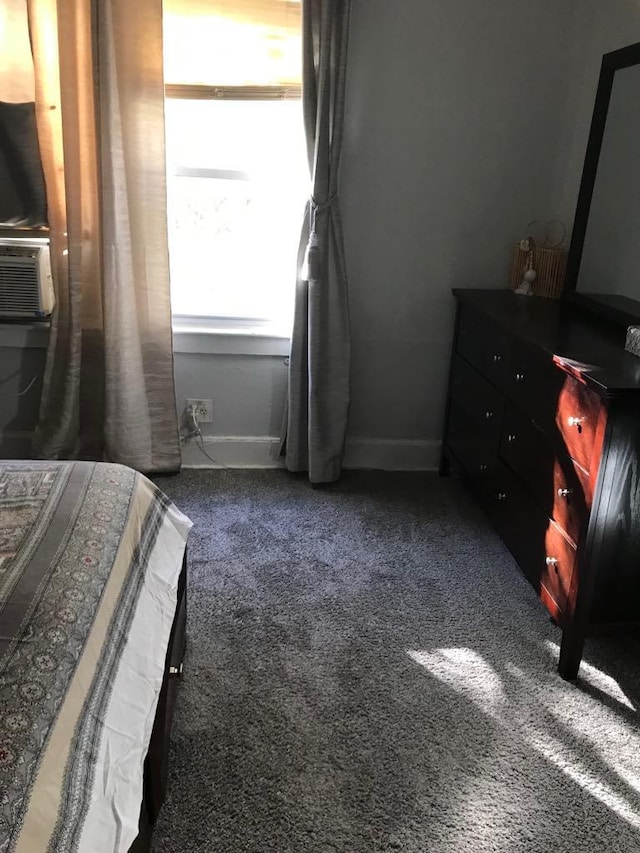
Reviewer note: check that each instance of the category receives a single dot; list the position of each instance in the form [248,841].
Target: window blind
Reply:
[250,44]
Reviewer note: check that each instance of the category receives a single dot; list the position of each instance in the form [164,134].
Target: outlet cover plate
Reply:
[204,409]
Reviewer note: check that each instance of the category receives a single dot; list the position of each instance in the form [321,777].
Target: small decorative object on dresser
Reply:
[545,257]
[632,342]
[543,420]
[525,288]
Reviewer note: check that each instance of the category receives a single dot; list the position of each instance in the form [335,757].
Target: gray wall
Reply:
[248,394]
[465,121]
[452,109]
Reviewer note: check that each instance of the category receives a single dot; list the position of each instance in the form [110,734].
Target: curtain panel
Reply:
[109,386]
[319,367]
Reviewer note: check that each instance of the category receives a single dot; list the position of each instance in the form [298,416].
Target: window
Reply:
[22,193]
[236,159]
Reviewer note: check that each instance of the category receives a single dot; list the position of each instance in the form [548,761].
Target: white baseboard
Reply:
[233,451]
[257,451]
[240,451]
[389,455]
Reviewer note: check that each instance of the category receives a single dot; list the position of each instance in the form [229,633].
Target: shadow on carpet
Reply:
[367,671]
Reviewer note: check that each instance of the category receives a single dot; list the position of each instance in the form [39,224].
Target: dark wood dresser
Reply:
[543,420]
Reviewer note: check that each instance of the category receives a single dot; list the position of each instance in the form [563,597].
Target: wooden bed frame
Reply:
[157,761]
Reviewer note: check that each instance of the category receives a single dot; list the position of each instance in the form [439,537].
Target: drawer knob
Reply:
[497,359]
[564,493]
[576,422]
[488,415]
[502,496]
[511,437]
[551,561]
[519,377]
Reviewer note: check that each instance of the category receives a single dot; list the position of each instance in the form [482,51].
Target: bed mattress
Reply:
[90,556]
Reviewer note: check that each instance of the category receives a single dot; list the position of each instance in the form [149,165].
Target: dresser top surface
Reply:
[582,345]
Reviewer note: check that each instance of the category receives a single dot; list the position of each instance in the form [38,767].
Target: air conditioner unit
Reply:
[26,289]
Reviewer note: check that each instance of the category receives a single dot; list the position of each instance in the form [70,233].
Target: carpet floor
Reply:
[368,672]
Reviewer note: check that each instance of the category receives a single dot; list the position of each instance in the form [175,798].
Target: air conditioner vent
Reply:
[25,280]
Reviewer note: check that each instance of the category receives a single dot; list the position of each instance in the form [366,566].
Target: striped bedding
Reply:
[90,555]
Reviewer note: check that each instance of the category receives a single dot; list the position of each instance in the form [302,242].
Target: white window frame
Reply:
[227,335]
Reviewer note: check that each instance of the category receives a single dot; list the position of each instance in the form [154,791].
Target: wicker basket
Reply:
[550,266]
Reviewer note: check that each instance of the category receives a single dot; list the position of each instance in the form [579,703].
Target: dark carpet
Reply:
[368,671]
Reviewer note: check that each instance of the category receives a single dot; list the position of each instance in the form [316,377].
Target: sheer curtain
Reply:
[109,386]
[320,347]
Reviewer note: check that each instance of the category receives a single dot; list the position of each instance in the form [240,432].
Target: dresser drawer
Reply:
[572,498]
[543,552]
[477,398]
[475,449]
[564,408]
[533,383]
[580,421]
[483,344]
[517,517]
[561,487]
[557,572]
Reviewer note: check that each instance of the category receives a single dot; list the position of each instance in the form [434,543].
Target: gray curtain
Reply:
[320,347]
[109,386]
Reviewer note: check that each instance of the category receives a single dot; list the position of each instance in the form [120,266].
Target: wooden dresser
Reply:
[543,420]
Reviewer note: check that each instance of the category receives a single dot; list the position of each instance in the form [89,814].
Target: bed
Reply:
[92,632]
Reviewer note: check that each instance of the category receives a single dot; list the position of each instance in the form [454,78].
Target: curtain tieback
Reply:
[310,270]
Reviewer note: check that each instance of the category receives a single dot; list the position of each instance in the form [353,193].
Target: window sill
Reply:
[229,340]
[186,338]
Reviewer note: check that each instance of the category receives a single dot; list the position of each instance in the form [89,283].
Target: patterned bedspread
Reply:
[90,556]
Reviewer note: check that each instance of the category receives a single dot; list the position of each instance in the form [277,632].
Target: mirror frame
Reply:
[611,62]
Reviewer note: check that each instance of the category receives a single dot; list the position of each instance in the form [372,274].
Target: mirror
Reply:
[603,272]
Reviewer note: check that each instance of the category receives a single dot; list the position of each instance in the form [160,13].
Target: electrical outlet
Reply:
[203,409]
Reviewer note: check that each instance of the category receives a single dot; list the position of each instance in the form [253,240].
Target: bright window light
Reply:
[600,680]
[232,42]
[16,65]
[238,181]
[558,723]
